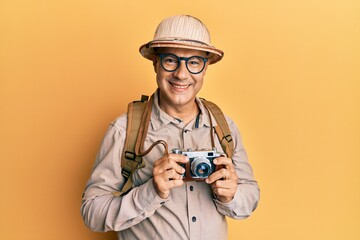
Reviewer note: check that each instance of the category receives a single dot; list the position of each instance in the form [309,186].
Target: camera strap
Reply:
[222,129]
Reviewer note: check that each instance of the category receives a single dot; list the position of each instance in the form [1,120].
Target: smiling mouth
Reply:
[180,87]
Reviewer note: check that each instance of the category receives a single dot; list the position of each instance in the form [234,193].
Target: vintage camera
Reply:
[200,165]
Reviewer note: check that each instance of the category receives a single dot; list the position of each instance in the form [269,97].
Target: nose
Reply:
[181,72]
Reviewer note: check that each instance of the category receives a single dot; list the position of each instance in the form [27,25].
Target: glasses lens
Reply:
[170,62]
[195,64]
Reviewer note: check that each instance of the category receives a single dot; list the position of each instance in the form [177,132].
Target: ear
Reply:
[155,61]
[205,68]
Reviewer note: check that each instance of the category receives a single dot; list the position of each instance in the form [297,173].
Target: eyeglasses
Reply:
[170,62]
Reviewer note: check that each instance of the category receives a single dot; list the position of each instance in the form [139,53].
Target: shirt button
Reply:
[193,219]
[191,188]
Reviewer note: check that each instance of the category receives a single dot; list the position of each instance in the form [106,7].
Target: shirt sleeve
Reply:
[100,209]
[247,194]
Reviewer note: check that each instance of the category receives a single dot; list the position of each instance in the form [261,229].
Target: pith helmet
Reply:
[182,31]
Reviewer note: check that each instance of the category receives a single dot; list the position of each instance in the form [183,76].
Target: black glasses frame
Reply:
[181,59]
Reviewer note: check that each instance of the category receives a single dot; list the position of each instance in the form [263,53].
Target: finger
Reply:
[221,175]
[165,184]
[174,157]
[169,162]
[163,187]
[225,184]
[226,162]
[163,179]
[179,162]
[179,158]
[218,175]
[172,175]
[176,166]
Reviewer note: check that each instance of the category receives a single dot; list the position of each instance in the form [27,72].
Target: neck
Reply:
[184,112]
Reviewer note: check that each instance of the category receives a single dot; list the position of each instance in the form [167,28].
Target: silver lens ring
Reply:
[201,167]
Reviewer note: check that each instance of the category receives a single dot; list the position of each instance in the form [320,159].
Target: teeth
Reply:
[180,86]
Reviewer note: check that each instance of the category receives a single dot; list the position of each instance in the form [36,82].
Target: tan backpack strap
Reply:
[139,114]
[142,131]
[222,129]
[129,160]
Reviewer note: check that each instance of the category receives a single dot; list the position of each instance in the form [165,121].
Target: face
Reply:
[178,89]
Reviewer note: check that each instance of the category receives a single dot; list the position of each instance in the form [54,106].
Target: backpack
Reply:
[138,118]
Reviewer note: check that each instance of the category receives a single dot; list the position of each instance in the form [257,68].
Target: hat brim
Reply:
[147,50]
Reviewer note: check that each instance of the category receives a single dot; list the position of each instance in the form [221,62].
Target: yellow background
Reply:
[289,78]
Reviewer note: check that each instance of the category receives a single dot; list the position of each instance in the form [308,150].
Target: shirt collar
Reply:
[160,119]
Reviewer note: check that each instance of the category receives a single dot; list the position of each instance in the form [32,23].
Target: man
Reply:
[161,205]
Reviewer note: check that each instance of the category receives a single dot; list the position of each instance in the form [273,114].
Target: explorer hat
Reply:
[182,31]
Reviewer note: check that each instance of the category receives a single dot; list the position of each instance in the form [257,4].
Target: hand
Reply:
[224,181]
[167,173]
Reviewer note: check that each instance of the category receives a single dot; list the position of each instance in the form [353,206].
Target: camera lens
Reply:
[201,167]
